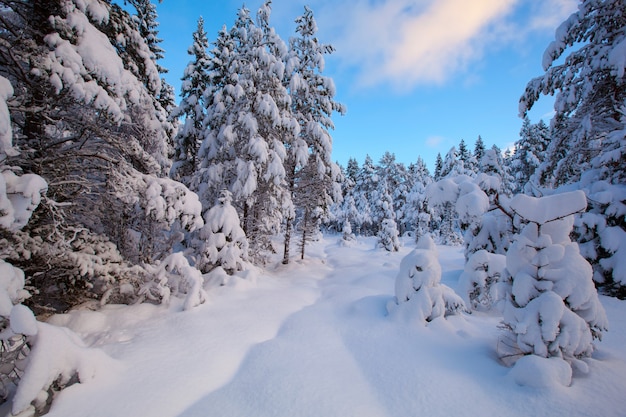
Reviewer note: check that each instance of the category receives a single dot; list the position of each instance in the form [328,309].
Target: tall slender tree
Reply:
[312,104]
[195,81]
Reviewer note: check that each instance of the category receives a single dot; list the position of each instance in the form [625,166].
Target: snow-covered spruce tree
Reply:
[479,148]
[419,294]
[388,232]
[418,213]
[217,163]
[553,309]
[395,175]
[588,129]
[470,163]
[192,107]
[87,122]
[363,191]
[249,123]
[222,242]
[589,88]
[312,106]
[493,229]
[530,149]
[352,172]
[493,164]
[438,167]
[345,211]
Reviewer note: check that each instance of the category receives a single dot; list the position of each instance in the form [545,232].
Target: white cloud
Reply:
[434,141]
[548,14]
[404,43]
[408,42]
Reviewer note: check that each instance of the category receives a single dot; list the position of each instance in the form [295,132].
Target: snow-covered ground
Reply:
[314,339]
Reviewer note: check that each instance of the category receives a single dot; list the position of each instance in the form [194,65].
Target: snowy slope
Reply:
[313,339]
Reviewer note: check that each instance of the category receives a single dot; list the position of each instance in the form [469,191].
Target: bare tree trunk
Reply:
[304,230]
[287,241]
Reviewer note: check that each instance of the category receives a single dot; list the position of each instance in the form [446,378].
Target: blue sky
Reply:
[416,76]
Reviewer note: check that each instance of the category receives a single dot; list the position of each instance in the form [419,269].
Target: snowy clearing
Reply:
[313,338]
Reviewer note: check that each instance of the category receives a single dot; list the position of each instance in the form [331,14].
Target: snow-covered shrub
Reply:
[155,207]
[36,358]
[484,280]
[174,277]
[492,233]
[388,236]
[553,309]
[13,347]
[222,242]
[58,358]
[420,296]
[82,266]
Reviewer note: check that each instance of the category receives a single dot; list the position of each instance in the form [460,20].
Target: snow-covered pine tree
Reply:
[438,167]
[395,175]
[386,217]
[352,172]
[363,196]
[479,148]
[529,151]
[492,164]
[312,106]
[588,129]
[470,163]
[216,158]
[418,213]
[553,309]
[222,242]
[419,294]
[146,19]
[588,85]
[248,124]
[192,107]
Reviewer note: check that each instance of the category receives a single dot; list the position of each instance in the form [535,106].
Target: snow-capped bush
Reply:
[420,296]
[553,310]
[484,280]
[13,346]
[36,358]
[174,277]
[58,358]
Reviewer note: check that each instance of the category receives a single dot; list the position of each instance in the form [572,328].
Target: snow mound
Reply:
[537,372]
[58,355]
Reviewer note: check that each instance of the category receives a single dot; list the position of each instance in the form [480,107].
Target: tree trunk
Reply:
[304,230]
[287,241]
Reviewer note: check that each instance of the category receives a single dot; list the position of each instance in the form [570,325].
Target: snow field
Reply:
[313,339]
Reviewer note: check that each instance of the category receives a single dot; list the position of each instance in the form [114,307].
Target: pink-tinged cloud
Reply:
[404,43]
